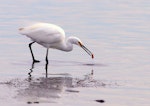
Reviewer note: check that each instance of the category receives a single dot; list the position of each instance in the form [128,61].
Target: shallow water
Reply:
[117,32]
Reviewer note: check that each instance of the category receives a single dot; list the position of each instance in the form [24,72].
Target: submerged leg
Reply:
[47,56]
[34,60]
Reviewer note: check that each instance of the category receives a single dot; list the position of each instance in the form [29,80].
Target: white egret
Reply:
[51,36]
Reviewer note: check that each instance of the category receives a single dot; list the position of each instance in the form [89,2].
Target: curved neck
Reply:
[67,45]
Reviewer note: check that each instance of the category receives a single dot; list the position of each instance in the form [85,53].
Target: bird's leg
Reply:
[46,56]
[46,65]
[46,69]
[34,60]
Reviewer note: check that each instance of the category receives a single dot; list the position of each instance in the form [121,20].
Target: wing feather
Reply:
[44,33]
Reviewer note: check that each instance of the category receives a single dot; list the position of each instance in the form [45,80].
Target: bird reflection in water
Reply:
[31,70]
[47,89]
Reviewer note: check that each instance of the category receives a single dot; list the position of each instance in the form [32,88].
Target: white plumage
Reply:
[44,34]
[50,36]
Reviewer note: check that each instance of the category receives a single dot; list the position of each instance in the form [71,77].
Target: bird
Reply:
[51,36]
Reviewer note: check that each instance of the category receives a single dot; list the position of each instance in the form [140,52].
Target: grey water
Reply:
[117,32]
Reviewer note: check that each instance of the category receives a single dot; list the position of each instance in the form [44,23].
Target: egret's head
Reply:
[74,40]
[77,41]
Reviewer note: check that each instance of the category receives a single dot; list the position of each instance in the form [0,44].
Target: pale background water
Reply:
[116,31]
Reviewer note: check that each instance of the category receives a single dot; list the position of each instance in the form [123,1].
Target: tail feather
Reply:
[20,29]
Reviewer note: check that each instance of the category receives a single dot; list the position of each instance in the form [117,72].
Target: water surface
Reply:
[116,31]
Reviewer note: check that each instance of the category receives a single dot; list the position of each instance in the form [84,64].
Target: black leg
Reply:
[34,60]
[46,69]
[46,65]
[47,56]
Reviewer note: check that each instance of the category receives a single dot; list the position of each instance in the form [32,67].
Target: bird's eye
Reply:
[80,43]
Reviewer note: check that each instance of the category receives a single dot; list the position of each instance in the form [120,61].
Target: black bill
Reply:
[88,51]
